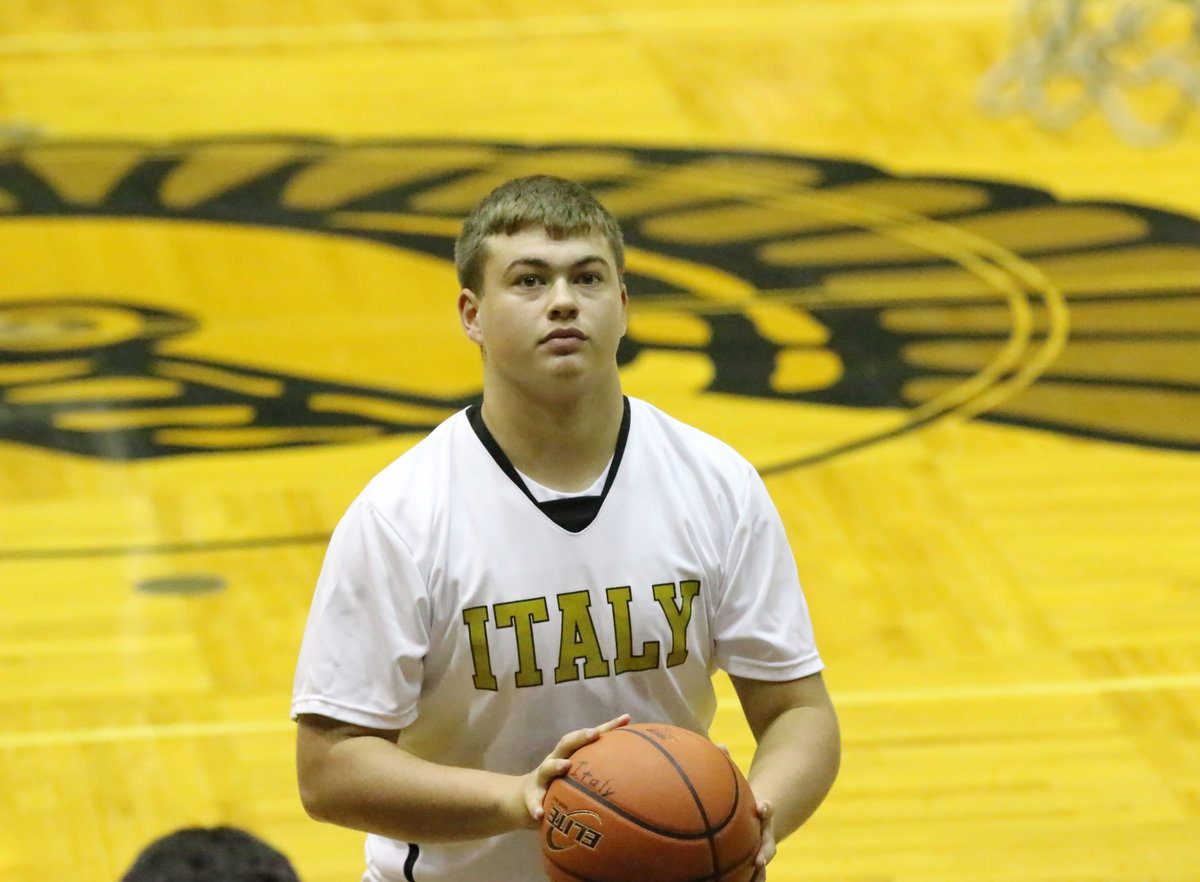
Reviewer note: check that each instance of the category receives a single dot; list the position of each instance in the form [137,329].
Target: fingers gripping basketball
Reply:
[558,763]
[650,802]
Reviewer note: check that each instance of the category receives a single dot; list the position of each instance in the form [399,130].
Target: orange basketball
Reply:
[650,803]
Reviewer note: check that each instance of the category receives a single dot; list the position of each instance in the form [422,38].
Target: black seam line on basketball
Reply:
[713,829]
[641,822]
[170,548]
[682,774]
[714,858]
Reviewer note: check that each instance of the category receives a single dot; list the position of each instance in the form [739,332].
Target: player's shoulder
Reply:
[684,445]
[415,475]
[660,427]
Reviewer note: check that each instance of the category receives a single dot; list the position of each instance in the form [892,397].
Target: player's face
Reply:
[549,308]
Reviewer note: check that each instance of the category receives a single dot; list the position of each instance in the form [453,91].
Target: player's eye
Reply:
[590,278]
[529,281]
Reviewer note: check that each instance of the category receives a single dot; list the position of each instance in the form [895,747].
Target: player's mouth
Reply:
[564,339]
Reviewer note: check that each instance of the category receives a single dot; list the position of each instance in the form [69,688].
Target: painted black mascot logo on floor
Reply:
[793,280]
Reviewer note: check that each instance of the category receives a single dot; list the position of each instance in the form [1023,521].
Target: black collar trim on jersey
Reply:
[573,513]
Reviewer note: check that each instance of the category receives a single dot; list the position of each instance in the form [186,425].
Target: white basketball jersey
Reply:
[454,607]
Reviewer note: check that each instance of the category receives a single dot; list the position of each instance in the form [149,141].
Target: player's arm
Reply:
[360,778]
[799,747]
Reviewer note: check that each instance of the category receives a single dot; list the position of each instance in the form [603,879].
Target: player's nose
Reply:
[564,300]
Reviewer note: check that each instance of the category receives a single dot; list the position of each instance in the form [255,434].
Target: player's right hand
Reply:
[556,764]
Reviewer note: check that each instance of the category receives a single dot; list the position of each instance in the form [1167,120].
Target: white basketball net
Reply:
[1136,61]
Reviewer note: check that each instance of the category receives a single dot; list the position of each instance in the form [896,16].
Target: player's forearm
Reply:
[370,784]
[795,764]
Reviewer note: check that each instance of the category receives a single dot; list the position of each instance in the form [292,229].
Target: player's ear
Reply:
[468,314]
[624,309]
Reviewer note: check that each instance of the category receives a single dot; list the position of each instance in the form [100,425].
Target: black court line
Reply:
[19,554]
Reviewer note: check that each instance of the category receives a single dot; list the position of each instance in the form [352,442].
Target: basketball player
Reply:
[559,557]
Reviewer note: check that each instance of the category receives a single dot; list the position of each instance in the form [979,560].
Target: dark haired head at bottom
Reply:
[210,854]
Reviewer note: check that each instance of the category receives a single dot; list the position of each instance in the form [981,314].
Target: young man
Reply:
[558,557]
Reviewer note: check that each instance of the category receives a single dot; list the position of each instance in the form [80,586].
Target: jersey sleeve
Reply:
[361,657]
[763,629]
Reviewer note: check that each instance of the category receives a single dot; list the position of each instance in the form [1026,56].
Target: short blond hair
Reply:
[563,208]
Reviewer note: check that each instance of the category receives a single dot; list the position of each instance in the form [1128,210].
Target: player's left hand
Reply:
[766,850]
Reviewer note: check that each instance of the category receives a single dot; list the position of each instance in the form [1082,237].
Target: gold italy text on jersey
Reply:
[581,652]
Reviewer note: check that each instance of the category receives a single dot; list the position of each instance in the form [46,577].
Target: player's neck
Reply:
[561,444]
